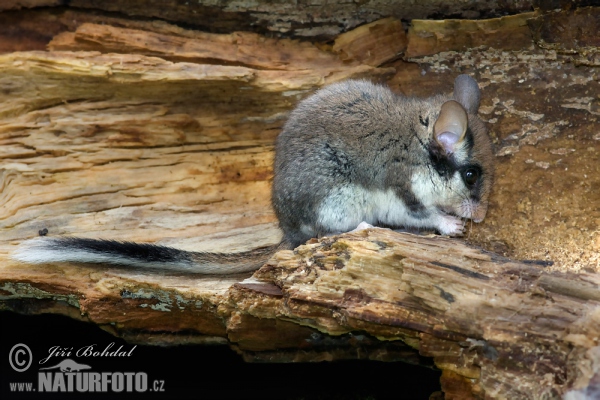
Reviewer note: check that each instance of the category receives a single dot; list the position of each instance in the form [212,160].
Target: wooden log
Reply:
[372,44]
[239,48]
[169,140]
[502,327]
[576,38]
[317,19]
[140,117]
[426,37]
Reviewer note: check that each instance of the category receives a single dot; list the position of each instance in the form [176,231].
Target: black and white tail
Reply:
[140,255]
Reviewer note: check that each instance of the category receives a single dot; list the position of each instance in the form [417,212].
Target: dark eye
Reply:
[424,121]
[470,176]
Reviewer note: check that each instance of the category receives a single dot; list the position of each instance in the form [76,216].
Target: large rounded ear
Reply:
[466,92]
[451,125]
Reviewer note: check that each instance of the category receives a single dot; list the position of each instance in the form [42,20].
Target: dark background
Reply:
[205,372]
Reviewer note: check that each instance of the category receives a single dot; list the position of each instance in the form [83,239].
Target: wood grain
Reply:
[142,130]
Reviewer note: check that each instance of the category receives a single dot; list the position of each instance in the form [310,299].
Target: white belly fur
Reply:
[346,207]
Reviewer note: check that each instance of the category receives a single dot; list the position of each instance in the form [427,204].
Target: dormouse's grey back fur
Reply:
[357,151]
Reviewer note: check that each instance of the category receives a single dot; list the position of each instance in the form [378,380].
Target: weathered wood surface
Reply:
[428,37]
[127,122]
[309,19]
[142,130]
[502,328]
[539,106]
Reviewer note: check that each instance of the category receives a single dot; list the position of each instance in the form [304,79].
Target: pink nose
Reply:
[479,213]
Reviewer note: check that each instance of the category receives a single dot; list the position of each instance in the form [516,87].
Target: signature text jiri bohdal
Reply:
[92,350]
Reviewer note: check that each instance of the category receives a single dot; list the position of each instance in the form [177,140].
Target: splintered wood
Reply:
[130,146]
[493,324]
[141,130]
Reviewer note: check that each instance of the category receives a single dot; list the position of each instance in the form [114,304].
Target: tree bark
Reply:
[141,130]
[315,19]
[496,327]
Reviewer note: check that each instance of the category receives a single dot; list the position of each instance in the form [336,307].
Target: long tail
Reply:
[141,255]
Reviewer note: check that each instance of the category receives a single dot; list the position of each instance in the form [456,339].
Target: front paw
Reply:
[451,225]
[362,226]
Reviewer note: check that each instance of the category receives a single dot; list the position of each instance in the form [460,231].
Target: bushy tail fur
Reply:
[141,255]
